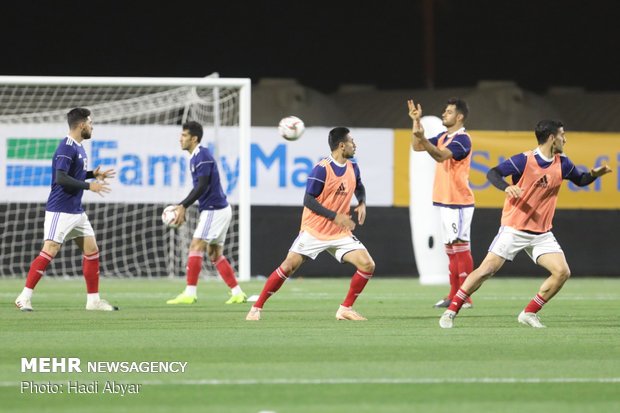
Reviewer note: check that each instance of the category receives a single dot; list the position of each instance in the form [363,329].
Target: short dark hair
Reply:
[547,127]
[76,116]
[460,105]
[336,136]
[194,128]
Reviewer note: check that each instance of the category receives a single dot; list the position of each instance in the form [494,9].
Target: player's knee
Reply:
[52,252]
[214,255]
[485,271]
[367,266]
[91,251]
[479,275]
[198,245]
[564,274]
[289,266]
[291,263]
[51,248]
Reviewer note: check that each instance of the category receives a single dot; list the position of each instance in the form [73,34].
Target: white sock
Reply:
[191,290]
[91,298]
[236,290]
[26,293]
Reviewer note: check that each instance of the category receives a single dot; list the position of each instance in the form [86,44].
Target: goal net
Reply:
[137,125]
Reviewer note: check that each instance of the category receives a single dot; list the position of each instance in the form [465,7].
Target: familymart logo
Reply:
[28,161]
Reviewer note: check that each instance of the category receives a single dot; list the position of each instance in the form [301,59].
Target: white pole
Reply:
[245,121]
[216,114]
[171,254]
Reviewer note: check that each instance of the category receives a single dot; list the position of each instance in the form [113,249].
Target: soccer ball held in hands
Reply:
[169,215]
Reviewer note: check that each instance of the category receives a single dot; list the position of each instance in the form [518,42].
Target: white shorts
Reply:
[509,241]
[213,225]
[306,244]
[456,223]
[60,226]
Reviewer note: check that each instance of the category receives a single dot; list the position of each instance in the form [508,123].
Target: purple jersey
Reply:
[70,157]
[516,164]
[203,164]
[460,145]
[316,180]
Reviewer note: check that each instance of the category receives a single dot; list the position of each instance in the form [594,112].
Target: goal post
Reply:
[137,124]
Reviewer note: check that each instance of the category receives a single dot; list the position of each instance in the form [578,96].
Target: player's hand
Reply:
[361,213]
[513,191]
[415,112]
[344,221]
[180,218]
[418,129]
[103,175]
[600,171]
[99,187]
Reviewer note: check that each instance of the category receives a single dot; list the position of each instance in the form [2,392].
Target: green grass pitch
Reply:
[298,358]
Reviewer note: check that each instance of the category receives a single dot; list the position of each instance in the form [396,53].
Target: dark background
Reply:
[404,44]
[387,235]
[323,44]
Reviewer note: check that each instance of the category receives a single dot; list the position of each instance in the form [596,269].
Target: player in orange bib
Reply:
[527,219]
[326,225]
[452,151]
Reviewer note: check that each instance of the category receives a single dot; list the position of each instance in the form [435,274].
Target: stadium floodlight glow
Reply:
[33,109]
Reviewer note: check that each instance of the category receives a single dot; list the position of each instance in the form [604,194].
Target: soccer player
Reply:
[452,151]
[527,219]
[326,225]
[215,217]
[65,218]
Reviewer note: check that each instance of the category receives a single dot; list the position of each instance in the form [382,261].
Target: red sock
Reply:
[454,271]
[457,301]
[273,284]
[194,265]
[535,305]
[90,268]
[358,282]
[464,260]
[226,271]
[37,268]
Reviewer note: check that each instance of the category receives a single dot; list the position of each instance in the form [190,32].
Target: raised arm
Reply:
[419,142]
[583,178]
[417,130]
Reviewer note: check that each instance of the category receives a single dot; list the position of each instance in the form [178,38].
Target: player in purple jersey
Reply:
[452,150]
[326,225]
[318,175]
[527,219]
[215,217]
[515,166]
[65,218]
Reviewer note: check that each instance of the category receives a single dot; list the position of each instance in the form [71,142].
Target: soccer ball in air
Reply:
[169,215]
[291,128]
